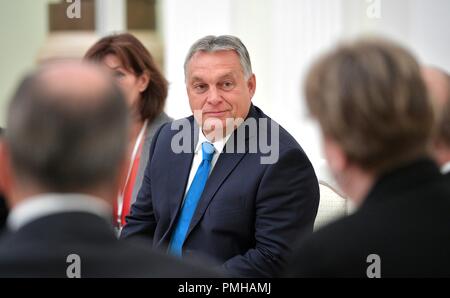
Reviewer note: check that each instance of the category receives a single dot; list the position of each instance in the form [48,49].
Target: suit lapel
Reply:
[179,173]
[149,133]
[224,166]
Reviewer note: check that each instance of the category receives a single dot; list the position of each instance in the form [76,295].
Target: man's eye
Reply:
[200,87]
[227,85]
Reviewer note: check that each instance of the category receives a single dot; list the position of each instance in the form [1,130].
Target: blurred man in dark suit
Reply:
[376,120]
[224,196]
[438,83]
[62,162]
[3,206]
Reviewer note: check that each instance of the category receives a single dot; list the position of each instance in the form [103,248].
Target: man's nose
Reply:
[214,96]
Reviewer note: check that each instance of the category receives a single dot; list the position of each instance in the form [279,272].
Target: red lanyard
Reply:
[122,208]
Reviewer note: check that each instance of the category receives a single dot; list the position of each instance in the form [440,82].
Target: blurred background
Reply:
[282,36]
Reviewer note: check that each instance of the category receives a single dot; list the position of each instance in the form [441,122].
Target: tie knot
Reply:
[207,151]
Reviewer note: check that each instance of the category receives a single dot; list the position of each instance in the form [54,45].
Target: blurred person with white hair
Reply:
[376,121]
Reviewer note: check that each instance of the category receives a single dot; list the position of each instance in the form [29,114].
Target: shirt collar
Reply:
[219,145]
[445,168]
[47,204]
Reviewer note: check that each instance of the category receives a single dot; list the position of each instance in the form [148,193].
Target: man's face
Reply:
[217,88]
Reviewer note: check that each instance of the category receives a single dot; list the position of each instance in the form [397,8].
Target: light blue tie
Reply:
[191,201]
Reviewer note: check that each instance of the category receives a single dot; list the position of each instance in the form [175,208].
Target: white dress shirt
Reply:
[52,203]
[445,168]
[219,145]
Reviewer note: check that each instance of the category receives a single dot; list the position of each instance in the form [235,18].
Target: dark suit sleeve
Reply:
[141,220]
[306,261]
[286,207]
[3,212]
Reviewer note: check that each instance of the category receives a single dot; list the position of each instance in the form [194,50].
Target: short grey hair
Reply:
[213,43]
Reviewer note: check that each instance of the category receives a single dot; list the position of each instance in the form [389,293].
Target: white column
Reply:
[110,16]
[422,26]
[300,31]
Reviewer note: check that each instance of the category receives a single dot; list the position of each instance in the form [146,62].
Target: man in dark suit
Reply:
[438,83]
[62,163]
[376,121]
[213,192]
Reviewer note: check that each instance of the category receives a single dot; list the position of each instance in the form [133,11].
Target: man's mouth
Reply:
[215,113]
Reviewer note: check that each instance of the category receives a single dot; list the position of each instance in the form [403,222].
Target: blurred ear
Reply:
[251,85]
[337,160]
[440,152]
[143,81]
[5,171]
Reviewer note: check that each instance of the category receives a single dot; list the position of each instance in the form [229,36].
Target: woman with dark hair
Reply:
[145,89]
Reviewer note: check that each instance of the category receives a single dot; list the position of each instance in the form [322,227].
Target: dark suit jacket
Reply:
[149,133]
[3,212]
[40,249]
[249,215]
[405,220]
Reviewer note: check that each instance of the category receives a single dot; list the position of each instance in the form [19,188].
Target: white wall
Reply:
[283,38]
[422,26]
[110,16]
[430,31]
[23,27]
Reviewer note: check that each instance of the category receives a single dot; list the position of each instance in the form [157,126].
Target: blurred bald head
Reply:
[438,85]
[70,78]
[67,127]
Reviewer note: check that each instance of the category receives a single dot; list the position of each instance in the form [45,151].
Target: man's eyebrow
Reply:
[227,75]
[196,79]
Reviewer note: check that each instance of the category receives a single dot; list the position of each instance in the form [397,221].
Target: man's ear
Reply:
[337,160]
[251,85]
[143,81]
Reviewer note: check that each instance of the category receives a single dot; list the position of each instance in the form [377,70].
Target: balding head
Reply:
[77,83]
[438,84]
[67,127]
